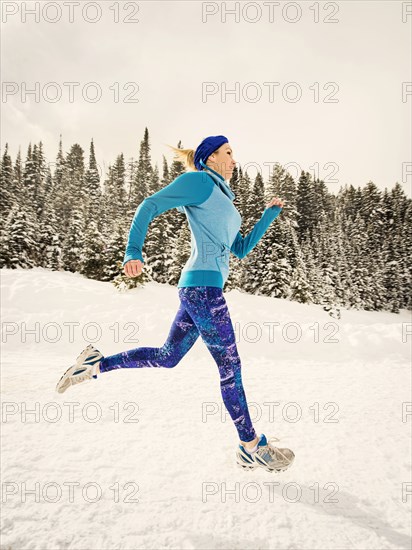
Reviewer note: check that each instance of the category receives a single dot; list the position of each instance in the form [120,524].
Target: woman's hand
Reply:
[276,202]
[133,268]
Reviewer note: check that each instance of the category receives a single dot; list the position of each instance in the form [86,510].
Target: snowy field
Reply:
[145,458]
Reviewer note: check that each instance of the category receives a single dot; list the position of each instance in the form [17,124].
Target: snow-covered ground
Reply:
[145,458]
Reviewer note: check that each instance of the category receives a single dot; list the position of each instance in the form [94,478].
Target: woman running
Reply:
[206,198]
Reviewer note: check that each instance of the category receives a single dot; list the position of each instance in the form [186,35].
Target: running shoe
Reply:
[266,456]
[86,368]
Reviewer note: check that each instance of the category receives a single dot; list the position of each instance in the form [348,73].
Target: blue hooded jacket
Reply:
[207,200]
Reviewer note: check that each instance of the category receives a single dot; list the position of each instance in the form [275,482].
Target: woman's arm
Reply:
[243,245]
[187,189]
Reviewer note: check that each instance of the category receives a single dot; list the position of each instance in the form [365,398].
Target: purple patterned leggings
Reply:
[203,310]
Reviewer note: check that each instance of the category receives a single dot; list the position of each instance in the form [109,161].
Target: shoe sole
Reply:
[248,467]
[245,467]
[62,387]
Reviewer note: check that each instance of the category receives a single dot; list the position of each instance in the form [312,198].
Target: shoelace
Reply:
[275,451]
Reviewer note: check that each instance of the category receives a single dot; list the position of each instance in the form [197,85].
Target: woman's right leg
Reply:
[182,335]
[208,308]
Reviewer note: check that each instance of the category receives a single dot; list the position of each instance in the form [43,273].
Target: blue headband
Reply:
[207,147]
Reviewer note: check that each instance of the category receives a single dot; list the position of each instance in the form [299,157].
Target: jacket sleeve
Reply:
[242,246]
[185,190]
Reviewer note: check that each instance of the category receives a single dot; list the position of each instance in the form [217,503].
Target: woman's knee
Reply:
[169,358]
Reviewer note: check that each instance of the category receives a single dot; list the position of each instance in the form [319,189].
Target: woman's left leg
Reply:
[182,336]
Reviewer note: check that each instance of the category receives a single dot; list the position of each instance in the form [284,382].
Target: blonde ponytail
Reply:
[185,155]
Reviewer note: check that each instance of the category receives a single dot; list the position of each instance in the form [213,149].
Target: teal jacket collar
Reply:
[220,181]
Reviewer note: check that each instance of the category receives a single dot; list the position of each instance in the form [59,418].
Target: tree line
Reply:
[352,249]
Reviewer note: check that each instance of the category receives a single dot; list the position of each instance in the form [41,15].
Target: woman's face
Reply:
[222,161]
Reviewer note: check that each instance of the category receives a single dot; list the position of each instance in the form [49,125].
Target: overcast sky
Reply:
[347,63]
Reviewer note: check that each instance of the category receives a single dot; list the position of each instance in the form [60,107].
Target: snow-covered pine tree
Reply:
[21,238]
[320,265]
[6,187]
[358,267]
[40,179]
[400,220]
[139,186]
[306,206]
[49,241]
[405,275]
[254,206]
[113,253]
[73,242]
[60,198]
[155,242]
[92,187]
[17,182]
[276,271]
[92,253]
